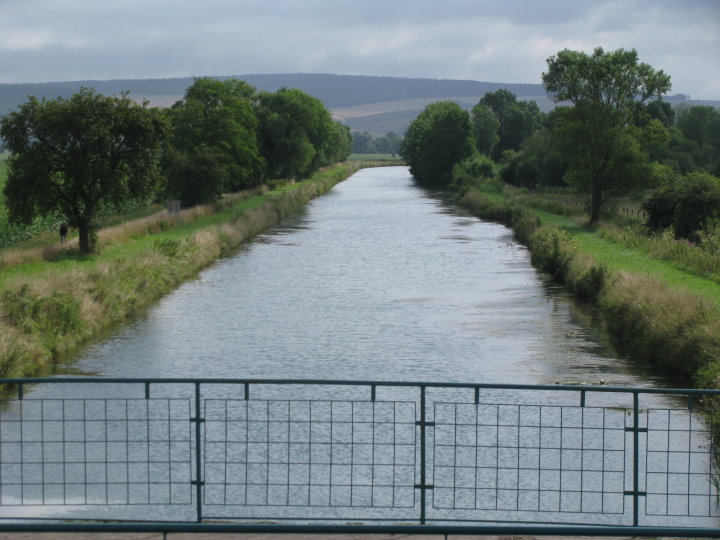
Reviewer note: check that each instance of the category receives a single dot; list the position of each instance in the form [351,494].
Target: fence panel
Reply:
[358,452]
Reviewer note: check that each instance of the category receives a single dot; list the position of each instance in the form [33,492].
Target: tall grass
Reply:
[48,309]
[685,255]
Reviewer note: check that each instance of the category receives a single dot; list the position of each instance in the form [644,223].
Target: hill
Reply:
[365,103]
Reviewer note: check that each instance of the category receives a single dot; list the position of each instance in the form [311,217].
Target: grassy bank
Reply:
[657,309]
[52,300]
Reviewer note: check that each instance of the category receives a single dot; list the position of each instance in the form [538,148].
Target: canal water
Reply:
[377,280]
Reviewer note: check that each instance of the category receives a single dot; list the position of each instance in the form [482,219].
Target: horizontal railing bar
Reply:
[324,382]
[272,529]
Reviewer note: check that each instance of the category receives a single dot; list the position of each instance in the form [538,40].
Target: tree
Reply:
[296,133]
[78,156]
[439,138]
[595,134]
[339,145]
[485,128]
[215,119]
[700,127]
[516,119]
[363,143]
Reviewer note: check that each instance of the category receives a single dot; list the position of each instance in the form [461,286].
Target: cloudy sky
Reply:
[496,41]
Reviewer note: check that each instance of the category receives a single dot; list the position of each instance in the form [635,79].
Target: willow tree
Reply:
[79,156]
[595,134]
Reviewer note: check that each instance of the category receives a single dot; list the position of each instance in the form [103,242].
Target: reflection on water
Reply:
[376,280]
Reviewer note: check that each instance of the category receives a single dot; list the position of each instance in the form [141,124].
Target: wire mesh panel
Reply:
[682,474]
[529,458]
[337,455]
[95,452]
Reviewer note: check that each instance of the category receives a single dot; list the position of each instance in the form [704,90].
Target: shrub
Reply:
[689,205]
[552,250]
[660,207]
[698,203]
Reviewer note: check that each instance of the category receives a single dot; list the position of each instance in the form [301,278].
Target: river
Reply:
[377,280]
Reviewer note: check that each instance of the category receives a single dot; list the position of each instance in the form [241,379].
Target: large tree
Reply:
[214,129]
[596,134]
[438,139]
[79,156]
[297,134]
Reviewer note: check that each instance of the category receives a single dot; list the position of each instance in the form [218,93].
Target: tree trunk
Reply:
[84,238]
[595,202]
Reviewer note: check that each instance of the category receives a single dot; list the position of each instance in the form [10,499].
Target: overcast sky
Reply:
[504,41]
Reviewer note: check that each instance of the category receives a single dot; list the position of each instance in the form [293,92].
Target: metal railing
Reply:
[179,454]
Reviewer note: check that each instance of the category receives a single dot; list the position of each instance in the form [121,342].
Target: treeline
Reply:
[225,136]
[638,146]
[90,155]
[365,143]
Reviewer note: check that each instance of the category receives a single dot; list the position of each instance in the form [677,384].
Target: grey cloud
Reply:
[488,40]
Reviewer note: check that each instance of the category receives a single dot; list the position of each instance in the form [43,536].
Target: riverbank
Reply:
[52,300]
[655,312]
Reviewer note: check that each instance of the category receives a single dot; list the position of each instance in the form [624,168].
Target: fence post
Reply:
[423,480]
[198,482]
[636,457]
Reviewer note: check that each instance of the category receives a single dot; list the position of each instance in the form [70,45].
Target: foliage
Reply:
[438,139]
[595,134]
[486,127]
[516,120]
[365,143]
[297,135]
[688,204]
[538,163]
[697,203]
[79,156]
[197,176]
[698,137]
[473,170]
[339,144]
[214,128]
[552,250]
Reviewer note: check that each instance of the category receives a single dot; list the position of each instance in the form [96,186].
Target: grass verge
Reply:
[52,300]
[655,311]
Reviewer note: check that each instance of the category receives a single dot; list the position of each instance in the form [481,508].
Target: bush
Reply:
[552,250]
[698,203]
[689,204]
[660,207]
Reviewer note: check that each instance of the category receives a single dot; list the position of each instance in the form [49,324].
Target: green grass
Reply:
[617,257]
[387,159]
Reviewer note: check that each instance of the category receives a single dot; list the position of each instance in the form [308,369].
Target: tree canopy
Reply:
[80,156]
[214,129]
[438,139]
[516,119]
[296,133]
[595,134]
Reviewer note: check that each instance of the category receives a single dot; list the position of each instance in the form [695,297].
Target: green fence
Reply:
[360,456]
